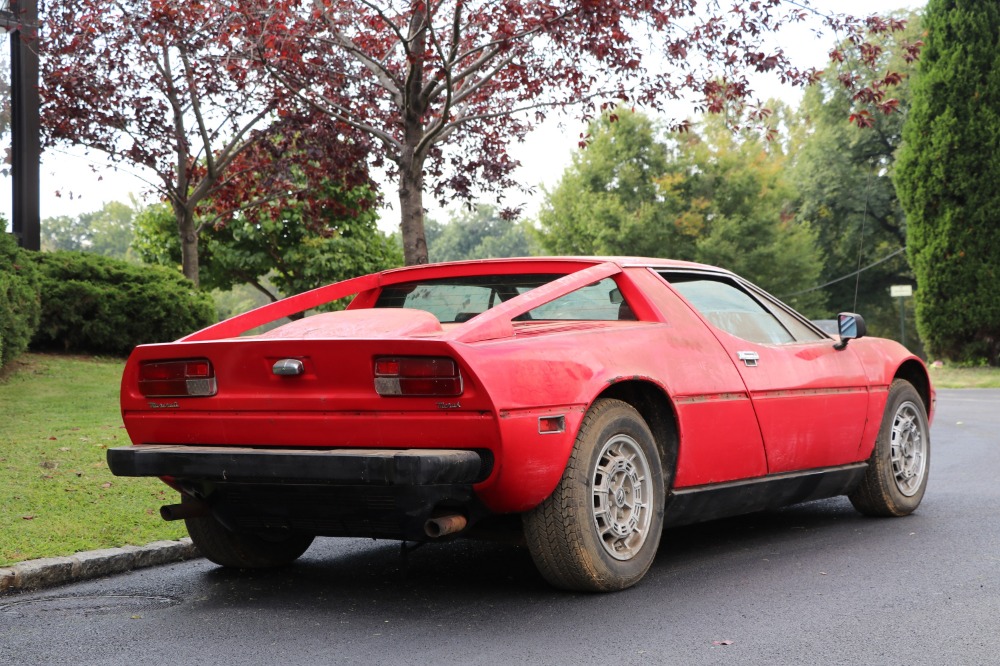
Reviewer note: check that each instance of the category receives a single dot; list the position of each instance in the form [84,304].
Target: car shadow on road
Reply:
[363,569]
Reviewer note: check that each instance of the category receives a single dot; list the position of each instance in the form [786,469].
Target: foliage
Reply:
[107,231]
[607,200]
[479,233]
[241,298]
[102,305]
[444,87]
[286,250]
[946,177]
[707,196]
[60,414]
[20,304]
[843,176]
[158,84]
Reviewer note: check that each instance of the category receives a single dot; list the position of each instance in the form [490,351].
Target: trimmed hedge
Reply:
[100,305]
[20,307]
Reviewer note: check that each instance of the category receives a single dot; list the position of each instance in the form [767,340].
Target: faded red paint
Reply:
[804,405]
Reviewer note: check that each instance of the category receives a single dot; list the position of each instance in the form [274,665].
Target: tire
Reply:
[244,551]
[600,528]
[898,467]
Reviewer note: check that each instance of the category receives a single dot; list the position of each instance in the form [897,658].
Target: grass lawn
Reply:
[58,415]
[948,377]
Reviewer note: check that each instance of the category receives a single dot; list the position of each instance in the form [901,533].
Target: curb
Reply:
[52,571]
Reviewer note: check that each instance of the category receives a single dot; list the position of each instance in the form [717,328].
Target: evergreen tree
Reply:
[843,175]
[946,177]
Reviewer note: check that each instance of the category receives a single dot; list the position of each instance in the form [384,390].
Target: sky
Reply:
[73,182]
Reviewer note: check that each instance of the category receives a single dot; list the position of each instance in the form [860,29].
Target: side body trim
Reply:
[721,500]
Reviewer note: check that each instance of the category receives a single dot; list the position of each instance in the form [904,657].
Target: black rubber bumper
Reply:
[379,467]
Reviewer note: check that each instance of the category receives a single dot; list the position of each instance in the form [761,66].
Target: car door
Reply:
[811,399]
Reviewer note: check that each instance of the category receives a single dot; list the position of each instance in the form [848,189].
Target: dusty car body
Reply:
[599,399]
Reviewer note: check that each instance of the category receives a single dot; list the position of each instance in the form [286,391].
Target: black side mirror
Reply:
[850,326]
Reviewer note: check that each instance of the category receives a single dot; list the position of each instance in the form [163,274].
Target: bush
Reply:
[100,305]
[19,298]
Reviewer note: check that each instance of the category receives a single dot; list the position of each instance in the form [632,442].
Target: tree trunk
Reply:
[189,242]
[411,205]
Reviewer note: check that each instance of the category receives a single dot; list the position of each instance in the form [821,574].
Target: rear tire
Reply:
[600,528]
[898,467]
[244,551]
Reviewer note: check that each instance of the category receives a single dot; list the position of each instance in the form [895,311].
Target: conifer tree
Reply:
[946,178]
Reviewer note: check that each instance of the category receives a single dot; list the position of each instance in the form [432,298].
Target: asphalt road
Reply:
[814,584]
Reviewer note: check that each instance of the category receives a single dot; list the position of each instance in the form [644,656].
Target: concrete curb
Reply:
[52,571]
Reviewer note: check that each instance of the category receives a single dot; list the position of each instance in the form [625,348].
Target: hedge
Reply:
[20,307]
[99,305]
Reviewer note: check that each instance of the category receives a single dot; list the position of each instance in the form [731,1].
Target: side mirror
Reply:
[850,326]
[615,296]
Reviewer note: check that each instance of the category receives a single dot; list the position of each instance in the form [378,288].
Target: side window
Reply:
[730,308]
[600,301]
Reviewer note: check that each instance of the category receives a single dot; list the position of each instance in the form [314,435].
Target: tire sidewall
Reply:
[618,418]
[900,393]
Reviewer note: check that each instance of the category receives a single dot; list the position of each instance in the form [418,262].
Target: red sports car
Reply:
[598,399]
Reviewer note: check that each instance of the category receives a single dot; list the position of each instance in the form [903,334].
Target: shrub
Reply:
[100,305]
[19,298]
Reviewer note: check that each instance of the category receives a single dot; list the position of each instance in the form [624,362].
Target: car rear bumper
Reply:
[385,493]
[382,467]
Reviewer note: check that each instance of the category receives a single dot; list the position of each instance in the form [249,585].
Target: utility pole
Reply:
[20,18]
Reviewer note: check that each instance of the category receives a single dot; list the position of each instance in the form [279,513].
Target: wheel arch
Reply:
[656,409]
[915,373]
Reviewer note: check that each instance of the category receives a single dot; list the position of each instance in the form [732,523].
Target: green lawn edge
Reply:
[58,416]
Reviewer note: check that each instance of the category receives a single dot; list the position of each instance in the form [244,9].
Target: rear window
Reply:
[460,299]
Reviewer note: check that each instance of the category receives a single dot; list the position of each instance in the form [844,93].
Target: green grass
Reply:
[58,416]
[949,377]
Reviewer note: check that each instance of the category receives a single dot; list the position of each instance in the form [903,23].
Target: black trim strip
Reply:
[386,467]
[720,500]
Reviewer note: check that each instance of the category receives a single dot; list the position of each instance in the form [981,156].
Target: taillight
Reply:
[417,375]
[177,379]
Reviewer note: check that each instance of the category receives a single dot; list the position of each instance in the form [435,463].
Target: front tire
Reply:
[244,551]
[600,528]
[897,470]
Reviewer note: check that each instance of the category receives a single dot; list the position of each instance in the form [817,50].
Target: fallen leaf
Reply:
[27,517]
[52,439]
[64,448]
[106,485]
[822,573]
[726,642]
